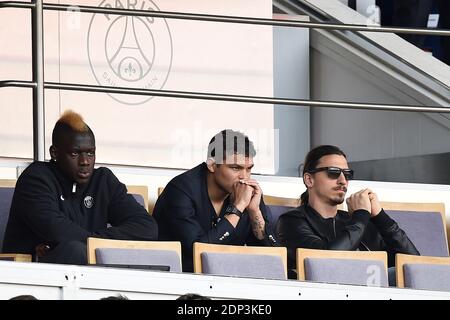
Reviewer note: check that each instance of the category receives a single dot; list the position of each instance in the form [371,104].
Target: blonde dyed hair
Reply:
[69,122]
[74,121]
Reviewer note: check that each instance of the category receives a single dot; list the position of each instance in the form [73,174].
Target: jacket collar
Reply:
[66,184]
[322,225]
[317,222]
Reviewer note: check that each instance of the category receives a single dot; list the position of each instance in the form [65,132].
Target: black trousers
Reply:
[71,252]
[414,14]
[352,4]
[406,13]
[444,23]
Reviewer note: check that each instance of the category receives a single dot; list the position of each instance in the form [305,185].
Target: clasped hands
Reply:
[246,195]
[364,199]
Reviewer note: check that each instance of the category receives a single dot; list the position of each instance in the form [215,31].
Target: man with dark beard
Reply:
[318,224]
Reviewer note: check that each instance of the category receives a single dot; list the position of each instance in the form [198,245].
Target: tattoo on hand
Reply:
[258,227]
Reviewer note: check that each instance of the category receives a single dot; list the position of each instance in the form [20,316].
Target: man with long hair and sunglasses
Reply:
[318,224]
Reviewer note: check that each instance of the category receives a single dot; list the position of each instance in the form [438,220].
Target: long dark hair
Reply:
[311,161]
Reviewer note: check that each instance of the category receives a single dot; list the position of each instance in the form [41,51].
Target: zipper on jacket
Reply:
[334,227]
[365,246]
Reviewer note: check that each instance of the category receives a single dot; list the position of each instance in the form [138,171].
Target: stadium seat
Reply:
[17,257]
[135,253]
[366,268]
[424,223]
[140,193]
[421,272]
[240,261]
[6,194]
[279,205]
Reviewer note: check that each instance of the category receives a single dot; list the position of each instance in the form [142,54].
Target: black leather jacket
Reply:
[303,227]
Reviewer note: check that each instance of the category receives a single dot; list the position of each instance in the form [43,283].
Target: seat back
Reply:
[140,193]
[6,195]
[421,272]
[135,253]
[367,268]
[18,257]
[240,261]
[424,224]
[279,205]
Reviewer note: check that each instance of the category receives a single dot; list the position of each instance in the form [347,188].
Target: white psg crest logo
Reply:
[88,202]
[129,51]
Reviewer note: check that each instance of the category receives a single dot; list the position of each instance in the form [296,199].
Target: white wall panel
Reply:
[176,55]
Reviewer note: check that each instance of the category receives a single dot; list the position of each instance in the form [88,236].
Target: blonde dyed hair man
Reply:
[57,205]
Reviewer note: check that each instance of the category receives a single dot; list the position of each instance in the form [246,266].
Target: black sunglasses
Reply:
[334,173]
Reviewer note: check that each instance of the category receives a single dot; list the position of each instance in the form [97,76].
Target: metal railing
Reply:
[226,19]
[38,85]
[223,97]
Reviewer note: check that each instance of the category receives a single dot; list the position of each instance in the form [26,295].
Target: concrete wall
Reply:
[380,134]
[432,168]
[207,57]
[68,282]
[291,80]
[377,68]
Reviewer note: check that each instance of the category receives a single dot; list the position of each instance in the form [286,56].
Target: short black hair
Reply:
[118,297]
[24,297]
[229,142]
[192,296]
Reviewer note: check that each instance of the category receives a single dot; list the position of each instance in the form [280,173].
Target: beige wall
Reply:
[176,55]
